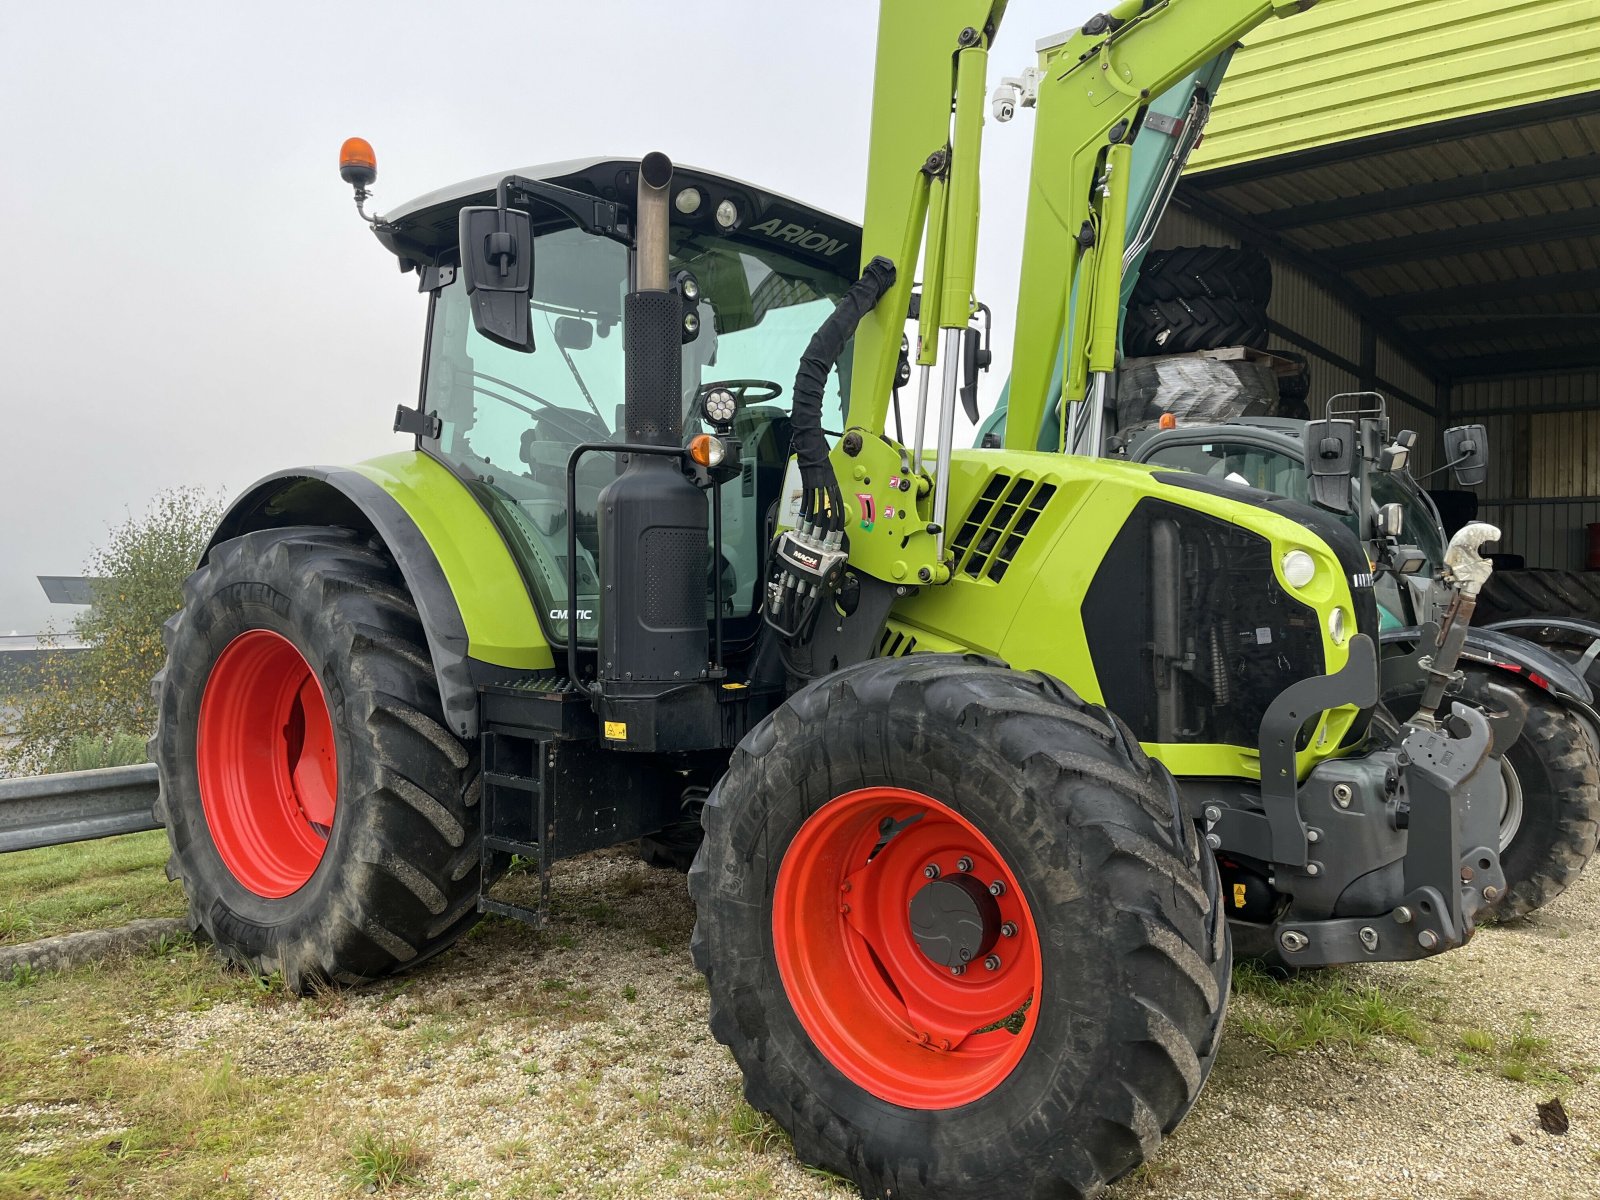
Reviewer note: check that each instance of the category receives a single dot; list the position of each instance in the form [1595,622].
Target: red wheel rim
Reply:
[890,1018]
[268,765]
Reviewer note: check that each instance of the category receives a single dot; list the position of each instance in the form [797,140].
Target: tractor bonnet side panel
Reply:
[1166,603]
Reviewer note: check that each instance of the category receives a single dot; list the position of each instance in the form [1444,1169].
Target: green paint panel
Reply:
[502,626]
[1353,68]
[1032,615]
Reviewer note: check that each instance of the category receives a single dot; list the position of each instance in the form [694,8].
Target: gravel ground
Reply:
[576,1062]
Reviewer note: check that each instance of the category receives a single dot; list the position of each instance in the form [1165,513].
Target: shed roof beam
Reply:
[1438,243]
[1438,191]
[1469,296]
[1530,362]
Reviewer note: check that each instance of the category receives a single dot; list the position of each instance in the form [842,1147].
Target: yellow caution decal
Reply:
[617,731]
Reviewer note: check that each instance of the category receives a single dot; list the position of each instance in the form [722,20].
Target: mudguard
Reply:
[1541,667]
[476,612]
[1572,631]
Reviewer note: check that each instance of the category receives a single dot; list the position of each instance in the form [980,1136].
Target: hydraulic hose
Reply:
[823,505]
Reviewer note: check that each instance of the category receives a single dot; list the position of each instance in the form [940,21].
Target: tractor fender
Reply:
[1542,668]
[467,608]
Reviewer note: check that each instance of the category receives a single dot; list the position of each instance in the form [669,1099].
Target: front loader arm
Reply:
[910,159]
[1093,93]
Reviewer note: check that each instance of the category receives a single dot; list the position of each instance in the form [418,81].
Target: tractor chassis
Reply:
[551,791]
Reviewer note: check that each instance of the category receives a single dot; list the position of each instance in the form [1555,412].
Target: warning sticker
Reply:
[617,731]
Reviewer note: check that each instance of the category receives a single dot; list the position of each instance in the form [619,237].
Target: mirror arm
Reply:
[589,213]
[1453,462]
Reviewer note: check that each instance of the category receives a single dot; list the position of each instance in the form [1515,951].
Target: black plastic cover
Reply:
[497,264]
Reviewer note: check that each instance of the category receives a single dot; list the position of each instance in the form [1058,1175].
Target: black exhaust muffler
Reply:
[653,522]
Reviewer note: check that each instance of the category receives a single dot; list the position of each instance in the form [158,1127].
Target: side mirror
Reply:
[1330,449]
[1466,449]
[497,263]
[574,333]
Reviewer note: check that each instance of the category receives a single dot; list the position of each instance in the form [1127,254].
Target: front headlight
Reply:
[1338,626]
[1299,568]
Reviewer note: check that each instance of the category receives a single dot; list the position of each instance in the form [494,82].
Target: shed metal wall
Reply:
[1353,68]
[1543,489]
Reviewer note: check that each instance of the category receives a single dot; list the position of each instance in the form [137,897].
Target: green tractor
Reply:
[654,551]
[1551,813]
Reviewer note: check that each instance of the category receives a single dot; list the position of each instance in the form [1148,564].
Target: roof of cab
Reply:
[425,228]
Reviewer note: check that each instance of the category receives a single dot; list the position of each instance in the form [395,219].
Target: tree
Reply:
[101,696]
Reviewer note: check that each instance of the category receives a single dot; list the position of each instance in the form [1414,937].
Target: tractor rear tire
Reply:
[1204,272]
[861,789]
[1186,325]
[1552,821]
[322,817]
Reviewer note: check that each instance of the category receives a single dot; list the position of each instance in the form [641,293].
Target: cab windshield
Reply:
[509,421]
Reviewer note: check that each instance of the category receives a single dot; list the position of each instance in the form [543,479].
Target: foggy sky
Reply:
[191,298]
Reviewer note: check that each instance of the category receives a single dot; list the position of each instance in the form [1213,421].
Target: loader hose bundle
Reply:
[822,504]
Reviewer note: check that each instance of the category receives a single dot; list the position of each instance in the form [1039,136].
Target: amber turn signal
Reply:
[358,165]
[706,450]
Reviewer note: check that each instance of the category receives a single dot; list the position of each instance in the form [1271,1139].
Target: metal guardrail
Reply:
[76,806]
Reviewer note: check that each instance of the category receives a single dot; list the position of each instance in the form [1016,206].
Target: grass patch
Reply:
[379,1160]
[1323,1008]
[755,1131]
[87,885]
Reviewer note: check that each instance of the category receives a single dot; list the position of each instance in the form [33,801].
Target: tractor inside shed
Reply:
[1424,179]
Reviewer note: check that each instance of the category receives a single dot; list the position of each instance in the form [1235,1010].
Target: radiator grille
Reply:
[991,536]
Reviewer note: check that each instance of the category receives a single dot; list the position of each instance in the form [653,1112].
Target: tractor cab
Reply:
[757,273]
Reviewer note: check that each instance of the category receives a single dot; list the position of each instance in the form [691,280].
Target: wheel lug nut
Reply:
[1009,929]
[997,888]
[992,963]
[959,969]
[931,871]
[963,863]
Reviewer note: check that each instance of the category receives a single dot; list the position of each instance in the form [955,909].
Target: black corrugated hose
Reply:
[823,505]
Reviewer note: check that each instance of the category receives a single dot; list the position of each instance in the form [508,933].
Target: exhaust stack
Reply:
[653,522]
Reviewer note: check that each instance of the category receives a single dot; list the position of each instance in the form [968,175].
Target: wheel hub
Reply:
[906,947]
[955,920]
[267,763]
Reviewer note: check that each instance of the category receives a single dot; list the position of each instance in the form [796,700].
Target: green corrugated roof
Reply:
[1352,68]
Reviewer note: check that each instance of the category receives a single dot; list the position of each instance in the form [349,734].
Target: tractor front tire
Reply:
[1552,817]
[323,819]
[845,926]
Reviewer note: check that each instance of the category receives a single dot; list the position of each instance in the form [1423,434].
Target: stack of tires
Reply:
[1196,298]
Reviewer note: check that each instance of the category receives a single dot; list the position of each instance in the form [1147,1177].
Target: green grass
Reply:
[1323,1008]
[87,885]
[381,1159]
[86,1104]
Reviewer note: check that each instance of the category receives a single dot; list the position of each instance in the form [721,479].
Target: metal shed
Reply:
[1425,175]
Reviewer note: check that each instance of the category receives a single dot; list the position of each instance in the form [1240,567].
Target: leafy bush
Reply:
[93,707]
